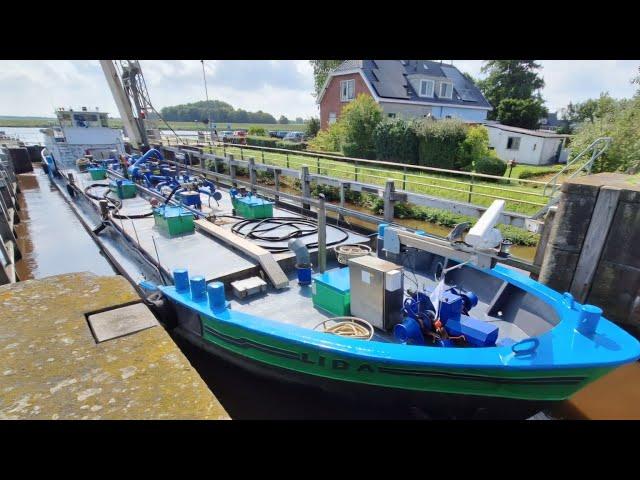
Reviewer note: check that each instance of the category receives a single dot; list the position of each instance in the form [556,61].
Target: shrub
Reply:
[313,127]
[439,143]
[262,141]
[396,141]
[257,131]
[490,165]
[331,194]
[474,147]
[329,140]
[360,118]
[290,145]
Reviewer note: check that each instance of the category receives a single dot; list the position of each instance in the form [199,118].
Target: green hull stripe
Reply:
[547,385]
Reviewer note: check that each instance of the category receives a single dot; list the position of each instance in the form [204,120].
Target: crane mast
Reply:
[130,93]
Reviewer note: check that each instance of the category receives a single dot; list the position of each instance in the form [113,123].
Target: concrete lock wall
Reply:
[592,251]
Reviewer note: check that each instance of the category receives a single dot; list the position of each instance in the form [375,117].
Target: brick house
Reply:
[404,89]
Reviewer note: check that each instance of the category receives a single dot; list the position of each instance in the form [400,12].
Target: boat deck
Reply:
[199,252]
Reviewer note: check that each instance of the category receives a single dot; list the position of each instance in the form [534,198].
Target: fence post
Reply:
[342,200]
[287,159]
[232,171]
[470,189]
[241,153]
[306,186]
[224,149]
[388,200]
[262,151]
[355,169]
[276,180]
[252,174]
[404,178]
[318,165]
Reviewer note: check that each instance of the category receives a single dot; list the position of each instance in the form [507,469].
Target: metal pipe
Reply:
[322,234]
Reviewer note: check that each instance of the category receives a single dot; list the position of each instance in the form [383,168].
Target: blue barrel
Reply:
[408,332]
[589,318]
[181,279]
[381,227]
[304,275]
[215,291]
[198,289]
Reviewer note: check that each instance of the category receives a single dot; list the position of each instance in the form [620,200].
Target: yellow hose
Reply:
[351,327]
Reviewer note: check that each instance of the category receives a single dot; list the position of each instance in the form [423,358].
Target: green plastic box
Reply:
[331,292]
[98,173]
[128,189]
[173,220]
[252,207]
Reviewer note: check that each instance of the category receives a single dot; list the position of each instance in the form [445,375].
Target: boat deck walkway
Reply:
[54,368]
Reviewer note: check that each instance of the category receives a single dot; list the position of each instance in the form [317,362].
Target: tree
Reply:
[313,127]
[523,113]
[214,110]
[360,118]
[513,79]
[321,69]
[299,120]
[283,120]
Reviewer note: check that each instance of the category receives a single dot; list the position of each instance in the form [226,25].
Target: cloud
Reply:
[279,87]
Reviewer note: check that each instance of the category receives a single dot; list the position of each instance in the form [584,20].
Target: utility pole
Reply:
[206,93]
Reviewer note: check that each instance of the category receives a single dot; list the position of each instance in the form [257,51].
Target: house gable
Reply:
[331,102]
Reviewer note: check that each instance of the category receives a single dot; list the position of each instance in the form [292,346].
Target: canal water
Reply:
[50,237]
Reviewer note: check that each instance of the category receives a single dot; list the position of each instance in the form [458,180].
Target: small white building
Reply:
[530,147]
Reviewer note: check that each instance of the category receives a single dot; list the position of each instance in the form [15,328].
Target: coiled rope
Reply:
[352,327]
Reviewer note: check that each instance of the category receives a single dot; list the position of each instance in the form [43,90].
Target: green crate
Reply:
[98,173]
[331,292]
[173,220]
[252,207]
[128,189]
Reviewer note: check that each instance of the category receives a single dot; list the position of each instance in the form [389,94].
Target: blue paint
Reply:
[215,292]
[304,275]
[422,233]
[589,318]
[476,332]
[559,348]
[198,288]
[381,228]
[408,332]
[336,278]
[181,279]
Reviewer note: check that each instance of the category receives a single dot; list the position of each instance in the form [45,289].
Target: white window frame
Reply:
[332,118]
[512,142]
[345,94]
[433,87]
[450,96]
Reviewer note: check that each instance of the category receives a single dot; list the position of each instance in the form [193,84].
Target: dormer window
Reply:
[446,90]
[426,88]
[347,90]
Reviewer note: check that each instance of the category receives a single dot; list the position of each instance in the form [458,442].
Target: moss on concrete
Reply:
[52,368]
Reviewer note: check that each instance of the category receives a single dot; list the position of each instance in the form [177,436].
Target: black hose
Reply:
[114,204]
[297,224]
[175,189]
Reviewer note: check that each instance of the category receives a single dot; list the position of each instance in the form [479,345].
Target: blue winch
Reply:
[450,320]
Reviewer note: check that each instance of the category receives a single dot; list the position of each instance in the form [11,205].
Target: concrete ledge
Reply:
[52,367]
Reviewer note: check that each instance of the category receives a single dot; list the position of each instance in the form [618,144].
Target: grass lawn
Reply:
[521,198]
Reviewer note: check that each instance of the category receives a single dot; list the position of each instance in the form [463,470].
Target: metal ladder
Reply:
[594,151]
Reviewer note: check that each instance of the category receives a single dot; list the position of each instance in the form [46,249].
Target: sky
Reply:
[279,87]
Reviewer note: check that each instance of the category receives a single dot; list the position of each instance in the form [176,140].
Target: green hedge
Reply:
[274,143]
[490,165]
[439,143]
[396,141]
